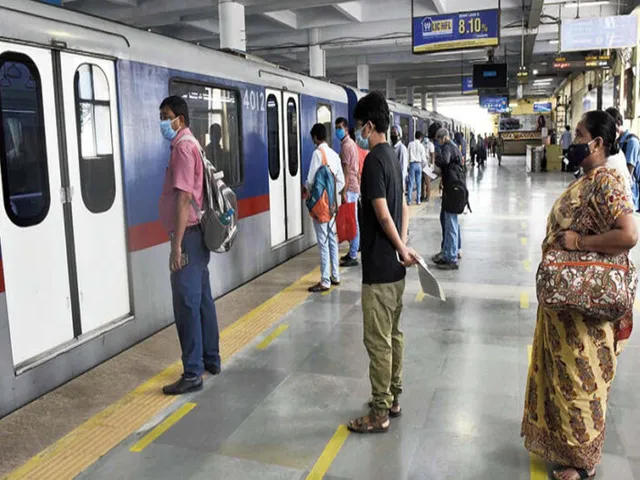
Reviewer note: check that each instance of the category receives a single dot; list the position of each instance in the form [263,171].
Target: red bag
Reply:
[346,222]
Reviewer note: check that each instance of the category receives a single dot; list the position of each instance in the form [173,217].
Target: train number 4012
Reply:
[253,100]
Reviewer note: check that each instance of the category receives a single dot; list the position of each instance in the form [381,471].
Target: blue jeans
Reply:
[415,181]
[193,308]
[442,212]
[451,236]
[354,245]
[328,246]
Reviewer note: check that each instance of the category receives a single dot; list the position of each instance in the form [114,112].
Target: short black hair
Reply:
[342,121]
[617,116]
[373,108]
[178,106]
[567,127]
[602,124]
[419,135]
[433,129]
[319,131]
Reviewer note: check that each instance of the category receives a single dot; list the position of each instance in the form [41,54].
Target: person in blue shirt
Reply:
[630,146]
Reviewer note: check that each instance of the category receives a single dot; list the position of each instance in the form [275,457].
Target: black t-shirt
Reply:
[381,178]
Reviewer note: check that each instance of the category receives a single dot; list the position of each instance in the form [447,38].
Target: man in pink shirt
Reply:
[193,307]
[350,159]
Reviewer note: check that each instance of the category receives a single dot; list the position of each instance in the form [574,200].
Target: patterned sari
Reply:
[573,359]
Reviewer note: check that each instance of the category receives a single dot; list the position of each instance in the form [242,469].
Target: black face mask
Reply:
[577,153]
[394,139]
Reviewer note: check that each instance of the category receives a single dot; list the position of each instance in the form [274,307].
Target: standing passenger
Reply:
[628,143]
[417,158]
[473,148]
[193,307]
[384,235]
[430,161]
[499,147]
[565,142]
[402,154]
[351,167]
[325,231]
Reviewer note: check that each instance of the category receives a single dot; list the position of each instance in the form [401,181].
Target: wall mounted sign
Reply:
[598,33]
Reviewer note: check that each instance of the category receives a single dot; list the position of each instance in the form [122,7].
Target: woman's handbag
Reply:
[596,285]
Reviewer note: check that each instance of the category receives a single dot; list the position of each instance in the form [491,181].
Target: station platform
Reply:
[295,371]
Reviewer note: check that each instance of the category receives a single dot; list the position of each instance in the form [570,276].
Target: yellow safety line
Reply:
[537,467]
[275,334]
[524,300]
[329,453]
[523,241]
[80,448]
[163,427]
[527,265]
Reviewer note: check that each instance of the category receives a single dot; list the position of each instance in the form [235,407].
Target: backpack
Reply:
[455,196]
[323,198]
[623,145]
[219,214]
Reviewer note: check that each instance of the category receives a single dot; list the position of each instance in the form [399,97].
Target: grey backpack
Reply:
[219,214]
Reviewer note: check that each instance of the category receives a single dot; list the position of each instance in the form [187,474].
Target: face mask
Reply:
[340,133]
[167,131]
[362,142]
[577,153]
[394,139]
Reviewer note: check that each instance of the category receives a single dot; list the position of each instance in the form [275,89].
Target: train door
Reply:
[292,172]
[32,227]
[276,175]
[95,177]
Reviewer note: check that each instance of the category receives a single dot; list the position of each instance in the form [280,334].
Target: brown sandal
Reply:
[394,412]
[372,423]
[318,287]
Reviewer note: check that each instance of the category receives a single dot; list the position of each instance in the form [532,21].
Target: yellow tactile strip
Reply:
[79,449]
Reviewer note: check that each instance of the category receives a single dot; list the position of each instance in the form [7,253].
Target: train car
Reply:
[82,161]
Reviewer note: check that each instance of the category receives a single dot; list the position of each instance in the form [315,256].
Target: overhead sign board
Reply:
[467,85]
[542,107]
[456,31]
[589,62]
[598,33]
[495,103]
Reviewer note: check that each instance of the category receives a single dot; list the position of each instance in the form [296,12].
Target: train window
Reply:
[273,137]
[292,136]
[323,114]
[93,116]
[404,125]
[23,153]
[214,119]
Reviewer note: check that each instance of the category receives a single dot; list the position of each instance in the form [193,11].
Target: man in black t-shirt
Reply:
[385,255]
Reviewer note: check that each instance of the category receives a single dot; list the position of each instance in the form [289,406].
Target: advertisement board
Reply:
[495,103]
[456,31]
[598,33]
[467,85]
[520,123]
[542,107]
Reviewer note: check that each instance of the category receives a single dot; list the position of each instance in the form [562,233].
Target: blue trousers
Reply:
[442,225]
[193,308]
[415,181]
[354,245]
[451,237]
[328,246]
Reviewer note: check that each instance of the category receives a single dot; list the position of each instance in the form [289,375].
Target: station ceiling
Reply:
[376,32]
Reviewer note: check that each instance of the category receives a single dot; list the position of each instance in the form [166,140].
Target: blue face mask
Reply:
[166,130]
[340,133]
[362,142]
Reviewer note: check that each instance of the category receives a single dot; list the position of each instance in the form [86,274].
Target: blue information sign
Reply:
[456,31]
[598,33]
[52,2]
[542,107]
[467,85]
[495,103]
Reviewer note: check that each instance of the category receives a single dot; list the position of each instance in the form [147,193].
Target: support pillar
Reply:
[410,96]
[233,34]
[317,59]
[391,88]
[434,101]
[363,76]
[424,98]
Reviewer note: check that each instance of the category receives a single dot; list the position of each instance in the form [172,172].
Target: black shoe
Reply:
[447,266]
[184,385]
[212,369]
[346,257]
[438,258]
[318,288]
[335,282]
[349,262]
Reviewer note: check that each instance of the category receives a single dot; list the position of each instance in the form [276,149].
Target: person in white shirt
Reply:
[325,232]
[430,149]
[417,160]
[565,141]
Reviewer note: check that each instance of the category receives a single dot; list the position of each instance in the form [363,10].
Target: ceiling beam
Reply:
[287,18]
[351,10]
[440,6]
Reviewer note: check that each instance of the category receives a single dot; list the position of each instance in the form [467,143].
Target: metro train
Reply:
[84,266]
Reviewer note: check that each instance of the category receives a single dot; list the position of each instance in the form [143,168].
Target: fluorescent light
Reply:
[586,4]
[554,42]
[543,63]
[542,80]
[535,72]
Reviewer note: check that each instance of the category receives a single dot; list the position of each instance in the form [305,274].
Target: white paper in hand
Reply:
[428,282]
[428,171]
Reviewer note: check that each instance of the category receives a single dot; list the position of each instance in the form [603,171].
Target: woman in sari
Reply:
[573,360]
